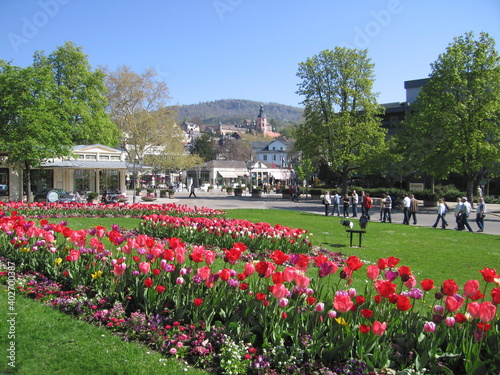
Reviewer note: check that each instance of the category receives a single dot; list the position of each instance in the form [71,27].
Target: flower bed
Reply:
[265,311]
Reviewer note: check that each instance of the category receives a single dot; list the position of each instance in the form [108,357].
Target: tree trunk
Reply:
[28,182]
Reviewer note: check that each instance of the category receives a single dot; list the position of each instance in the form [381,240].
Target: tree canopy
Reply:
[455,123]
[342,118]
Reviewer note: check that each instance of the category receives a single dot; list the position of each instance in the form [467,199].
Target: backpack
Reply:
[368,202]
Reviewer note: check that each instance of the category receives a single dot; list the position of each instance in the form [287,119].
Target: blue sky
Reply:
[244,49]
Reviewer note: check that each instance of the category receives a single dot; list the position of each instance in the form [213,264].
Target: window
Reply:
[90,157]
[84,180]
[264,157]
[115,158]
[41,180]
[109,180]
[103,157]
[4,181]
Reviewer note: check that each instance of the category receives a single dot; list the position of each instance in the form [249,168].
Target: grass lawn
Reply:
[48,342]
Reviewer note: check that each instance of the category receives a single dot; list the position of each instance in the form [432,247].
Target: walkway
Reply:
[220,200]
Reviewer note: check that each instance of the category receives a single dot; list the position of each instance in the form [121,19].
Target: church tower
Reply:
[261,123]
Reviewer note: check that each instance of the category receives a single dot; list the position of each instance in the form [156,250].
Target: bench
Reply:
[352,231]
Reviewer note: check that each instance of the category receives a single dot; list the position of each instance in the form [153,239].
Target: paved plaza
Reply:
[426,217]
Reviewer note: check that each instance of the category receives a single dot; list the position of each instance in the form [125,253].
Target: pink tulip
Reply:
[372,271]
[430,327]
[144,267]
[332,314]
[320,306]
[342,303]
[450,321]
[278,290]
[302,281]
[283,302]
[289,274]
[119,269]
[378,328]
[411,282]
[470,288]
[249,269]
[179,281]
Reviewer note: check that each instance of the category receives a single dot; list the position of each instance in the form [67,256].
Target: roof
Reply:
[90,164]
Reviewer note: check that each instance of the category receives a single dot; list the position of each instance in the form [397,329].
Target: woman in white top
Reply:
[327,201]
[441,215]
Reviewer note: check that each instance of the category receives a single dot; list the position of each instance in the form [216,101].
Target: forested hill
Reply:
[235,111]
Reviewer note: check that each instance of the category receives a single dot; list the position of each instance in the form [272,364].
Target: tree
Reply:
[234,149]
[456,115]
[342,118]
[137,105]
[81,95]
[31,121]
[204,146]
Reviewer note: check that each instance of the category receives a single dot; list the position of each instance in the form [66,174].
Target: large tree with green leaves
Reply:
[81,95]
[342,118]
[50,106]
[455,122]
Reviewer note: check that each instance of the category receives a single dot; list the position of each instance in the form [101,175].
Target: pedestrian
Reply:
[406,209]
[191,191]
[327,201]
[441,214]
[366,204]
[465,210]
[387,208]
[458,207]
[292,192]
[336,203]
[413,209]
[382,207]
[346,205]
[480,214]
[354,203]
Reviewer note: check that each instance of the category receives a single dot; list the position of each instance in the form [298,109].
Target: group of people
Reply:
[352,201]
[462,212]
[410,209]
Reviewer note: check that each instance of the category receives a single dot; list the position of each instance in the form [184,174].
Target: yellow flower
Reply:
[96,274]
[25,250]
[341,321]
[58,260]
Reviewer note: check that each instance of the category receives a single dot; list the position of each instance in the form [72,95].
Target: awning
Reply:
[280,174]
[226,174]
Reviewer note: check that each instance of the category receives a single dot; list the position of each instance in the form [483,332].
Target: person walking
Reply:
[458,207]
[346,205]
[413,209]
[382,207]
[367,203]
[406,209]
[354,203]
[480,214]
[465,210]
[191,191]
[327,201]
[387,208]
[441,214]
[336,203]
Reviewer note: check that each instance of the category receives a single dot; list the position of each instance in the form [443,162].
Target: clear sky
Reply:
[244,49]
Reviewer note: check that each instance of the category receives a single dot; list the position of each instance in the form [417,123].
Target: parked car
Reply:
[54,195]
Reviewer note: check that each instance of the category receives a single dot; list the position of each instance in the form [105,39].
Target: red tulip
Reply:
[489,274]
[450,287]
[279,257]
[427,284]
[403,303]
[372,271]
[364,328]
[354,263]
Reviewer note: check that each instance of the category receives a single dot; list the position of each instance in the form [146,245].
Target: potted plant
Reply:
[285,193]
[122,197]
[238,192]
[171,193]
[163,193]
[315,193]
[138,191]
[257,192]
[229,190]
[92,197]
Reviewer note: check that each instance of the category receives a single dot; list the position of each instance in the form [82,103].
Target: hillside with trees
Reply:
[235,111]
